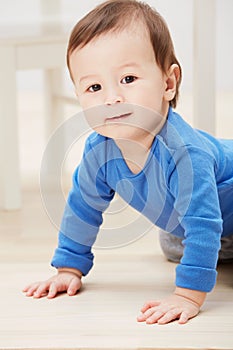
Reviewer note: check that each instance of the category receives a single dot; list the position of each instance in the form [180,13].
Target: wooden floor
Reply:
[103,315]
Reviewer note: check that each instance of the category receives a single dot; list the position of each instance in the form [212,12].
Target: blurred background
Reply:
[33,40]
[25,16]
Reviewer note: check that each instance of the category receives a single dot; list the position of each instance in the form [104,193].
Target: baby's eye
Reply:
[129,79]
[94,88]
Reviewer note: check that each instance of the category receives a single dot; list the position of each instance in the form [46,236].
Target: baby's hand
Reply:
[64,281]
[169,309]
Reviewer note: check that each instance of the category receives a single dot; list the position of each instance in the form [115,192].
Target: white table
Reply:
[38,47]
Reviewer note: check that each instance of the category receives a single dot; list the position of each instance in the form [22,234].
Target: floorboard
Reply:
[103,315]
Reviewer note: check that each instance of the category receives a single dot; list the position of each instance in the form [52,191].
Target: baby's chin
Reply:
[122,131]
[115,130]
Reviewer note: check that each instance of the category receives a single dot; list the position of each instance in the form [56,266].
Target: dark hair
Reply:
[114,15]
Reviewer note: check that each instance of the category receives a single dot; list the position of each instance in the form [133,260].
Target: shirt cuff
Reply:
[196,278]
[67,259]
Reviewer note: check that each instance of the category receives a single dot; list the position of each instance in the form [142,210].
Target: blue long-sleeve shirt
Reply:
[185,187]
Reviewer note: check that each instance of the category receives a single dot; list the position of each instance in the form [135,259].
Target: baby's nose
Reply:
[114,97]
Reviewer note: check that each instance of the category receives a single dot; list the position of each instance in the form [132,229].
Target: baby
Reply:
[126,76]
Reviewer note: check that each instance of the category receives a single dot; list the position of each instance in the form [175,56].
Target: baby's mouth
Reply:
[118,117]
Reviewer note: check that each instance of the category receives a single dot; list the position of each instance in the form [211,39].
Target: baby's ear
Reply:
[172,79]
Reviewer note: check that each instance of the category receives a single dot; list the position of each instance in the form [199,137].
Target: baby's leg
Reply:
[226,252]
[171,245]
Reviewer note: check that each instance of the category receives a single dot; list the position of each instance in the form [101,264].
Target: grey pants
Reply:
[172,247]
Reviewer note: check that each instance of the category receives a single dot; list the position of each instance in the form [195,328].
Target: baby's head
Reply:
[115,16]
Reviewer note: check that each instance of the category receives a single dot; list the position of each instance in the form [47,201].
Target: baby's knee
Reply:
[171,246]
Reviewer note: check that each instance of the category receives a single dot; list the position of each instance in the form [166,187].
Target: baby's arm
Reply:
[66,280]
[197,203]
[183,304]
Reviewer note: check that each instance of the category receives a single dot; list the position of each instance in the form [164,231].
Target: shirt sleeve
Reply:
[193,184]
[89,197]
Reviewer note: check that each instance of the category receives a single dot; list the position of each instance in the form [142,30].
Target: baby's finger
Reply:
[74,286]
[31,289]
[154,317]
[53,290]
[170,316]
[144,316]
[26,288]
[30,286]
[149,304]
[183,318]
[41,290]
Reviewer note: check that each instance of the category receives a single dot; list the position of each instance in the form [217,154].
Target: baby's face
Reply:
[120,85]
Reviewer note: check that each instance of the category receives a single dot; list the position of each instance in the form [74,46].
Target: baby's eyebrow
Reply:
[89,76]
[129,64]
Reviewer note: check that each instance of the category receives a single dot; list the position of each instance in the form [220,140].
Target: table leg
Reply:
[204,65]
[10,198]
[54,116]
